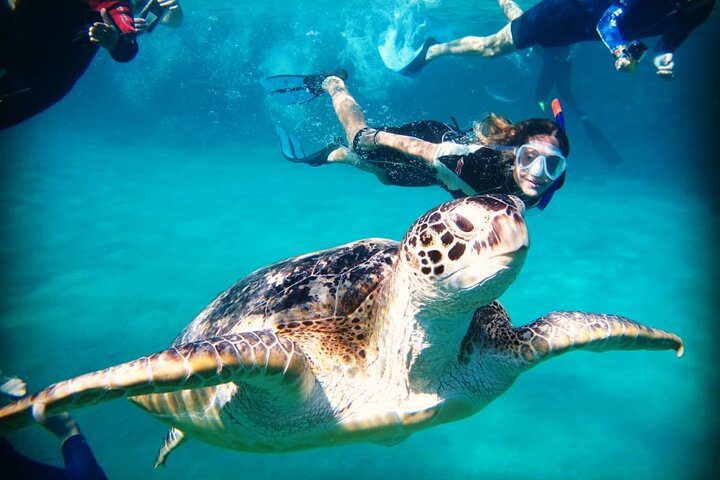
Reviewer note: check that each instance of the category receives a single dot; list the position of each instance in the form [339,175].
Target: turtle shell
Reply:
[325,298]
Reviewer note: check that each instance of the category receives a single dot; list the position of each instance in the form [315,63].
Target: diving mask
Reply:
[540,159]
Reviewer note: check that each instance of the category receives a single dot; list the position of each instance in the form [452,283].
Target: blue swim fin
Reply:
[298,89]
[418,62]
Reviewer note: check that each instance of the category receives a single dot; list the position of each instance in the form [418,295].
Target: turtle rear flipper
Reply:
[255,357]
[173,438]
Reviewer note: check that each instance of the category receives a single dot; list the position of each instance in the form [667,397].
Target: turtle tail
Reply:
[199,364]
[560,332]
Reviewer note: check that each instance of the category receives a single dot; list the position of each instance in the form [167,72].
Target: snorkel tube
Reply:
[557,184]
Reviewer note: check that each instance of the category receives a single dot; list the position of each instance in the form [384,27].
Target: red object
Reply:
[120,12]
[459,166]
[556,107]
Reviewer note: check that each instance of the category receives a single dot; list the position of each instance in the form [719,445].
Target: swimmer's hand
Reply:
[174,16]
[104,33]
[623,61]
[367,139]
[141,25]
[13,387]
[664,65]
[62,426]
[169,4]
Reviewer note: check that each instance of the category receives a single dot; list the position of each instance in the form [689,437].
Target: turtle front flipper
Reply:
[559,332]
[249,356]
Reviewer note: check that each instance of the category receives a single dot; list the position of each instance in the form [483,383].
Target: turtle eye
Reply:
[462,223]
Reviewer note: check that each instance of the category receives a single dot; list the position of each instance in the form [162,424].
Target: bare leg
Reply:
[343,155]
[500,43]
[510,9]
[352,119]
[346,108]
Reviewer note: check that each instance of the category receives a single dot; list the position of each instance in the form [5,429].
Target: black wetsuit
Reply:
[555,23]
[485,170]
[80,463]
[45,49]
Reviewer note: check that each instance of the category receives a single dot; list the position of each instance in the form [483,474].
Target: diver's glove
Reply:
[664,64]
[628,55]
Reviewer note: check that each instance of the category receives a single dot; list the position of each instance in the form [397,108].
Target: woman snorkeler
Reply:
[526,159]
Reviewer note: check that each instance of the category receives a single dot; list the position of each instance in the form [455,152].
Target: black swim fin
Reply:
[298,89]
[418,62]
[601,144]
[292,149]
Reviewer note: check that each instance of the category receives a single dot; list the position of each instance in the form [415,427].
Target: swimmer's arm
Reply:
[116,32]
[609,30]
[408,145]
[174,16]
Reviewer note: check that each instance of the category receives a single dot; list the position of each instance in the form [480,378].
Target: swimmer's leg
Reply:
[510,9]
[343,155]
[347,109]
[500,43]
[353,121]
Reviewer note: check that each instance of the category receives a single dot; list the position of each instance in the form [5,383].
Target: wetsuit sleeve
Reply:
[121,14]
[473,171]
[685,24]
[80,463]
[18,465]
[447,156]
[608,27]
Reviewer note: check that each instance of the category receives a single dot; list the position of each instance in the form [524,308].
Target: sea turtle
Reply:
[369,341]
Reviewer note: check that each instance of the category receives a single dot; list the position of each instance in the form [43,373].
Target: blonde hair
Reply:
[497,130]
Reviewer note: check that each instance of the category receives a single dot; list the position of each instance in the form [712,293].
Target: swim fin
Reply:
[293,151]
[298,89]
[601,144]
[418,62]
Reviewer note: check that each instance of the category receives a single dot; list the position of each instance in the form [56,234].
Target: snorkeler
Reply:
[46,46]
[80,463]
[553,23]
[526,159]
[152,13]
[556,72]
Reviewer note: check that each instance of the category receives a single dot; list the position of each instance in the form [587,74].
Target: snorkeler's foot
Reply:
[420,59]
[298,89]
[313,83]
[339,155]
[292,150]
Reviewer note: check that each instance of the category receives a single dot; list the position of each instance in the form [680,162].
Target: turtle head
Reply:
[465,253]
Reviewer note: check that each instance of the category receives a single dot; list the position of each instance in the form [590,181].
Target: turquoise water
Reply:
[120,225]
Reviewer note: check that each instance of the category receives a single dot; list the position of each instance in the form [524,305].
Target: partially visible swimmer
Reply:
[556,72]
[619,24]
[526,159]
[152,13]
[80,463]
[46,46]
